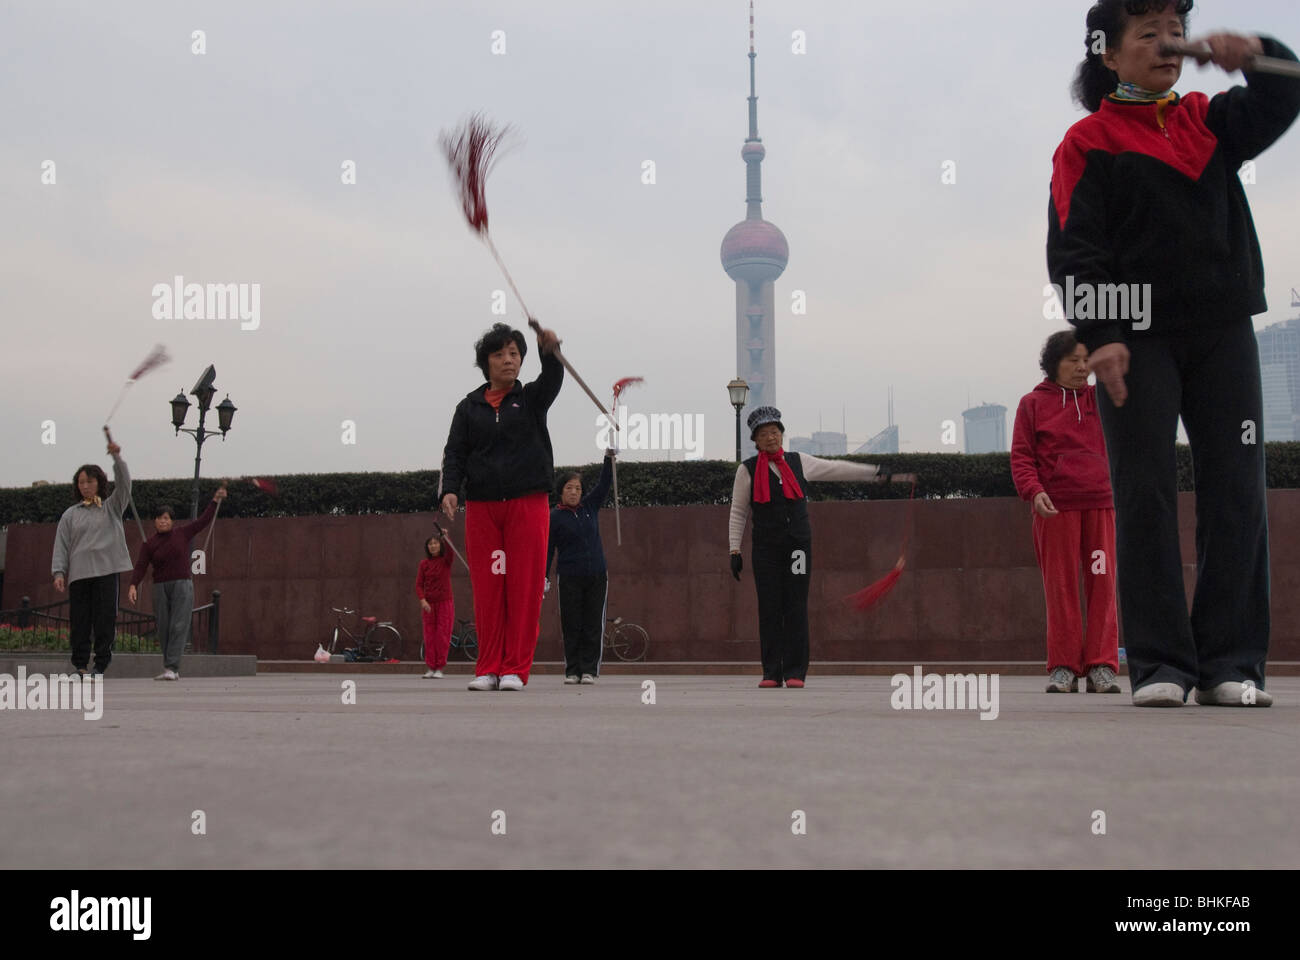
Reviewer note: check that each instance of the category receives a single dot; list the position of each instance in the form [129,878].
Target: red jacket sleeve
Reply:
[1024,459]
[419,580]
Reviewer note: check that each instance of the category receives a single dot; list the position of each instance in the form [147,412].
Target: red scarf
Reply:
[788,482]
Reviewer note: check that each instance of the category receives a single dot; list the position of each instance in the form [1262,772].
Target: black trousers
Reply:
[781,572]
[1210,377]
[582,620]
[92,607]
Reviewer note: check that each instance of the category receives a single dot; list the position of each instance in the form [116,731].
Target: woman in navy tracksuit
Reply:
[1151,238]
[584,586]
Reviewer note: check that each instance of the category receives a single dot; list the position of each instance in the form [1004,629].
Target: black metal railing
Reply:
[135,632]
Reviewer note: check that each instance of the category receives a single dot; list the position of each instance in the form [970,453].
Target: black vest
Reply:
[779,518]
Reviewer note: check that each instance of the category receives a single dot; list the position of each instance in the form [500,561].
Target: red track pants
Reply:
[437,632]
[505,547]
[1064,543]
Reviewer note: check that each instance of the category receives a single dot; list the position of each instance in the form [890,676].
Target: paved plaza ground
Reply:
[413,773]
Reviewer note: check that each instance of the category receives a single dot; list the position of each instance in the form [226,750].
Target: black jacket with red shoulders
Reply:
[1149,193]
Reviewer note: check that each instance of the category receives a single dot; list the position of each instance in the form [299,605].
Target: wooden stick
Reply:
[618,524]
[1256,64]
[618,520]
[574,373]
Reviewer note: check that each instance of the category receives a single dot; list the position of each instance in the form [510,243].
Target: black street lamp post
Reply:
[738,390]
[204,391]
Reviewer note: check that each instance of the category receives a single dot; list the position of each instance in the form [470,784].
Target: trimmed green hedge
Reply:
[639,485]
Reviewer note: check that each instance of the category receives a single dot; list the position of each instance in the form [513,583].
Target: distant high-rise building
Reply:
[823,443]
[754,253]
[1279,370]
[886,441]
[985,428]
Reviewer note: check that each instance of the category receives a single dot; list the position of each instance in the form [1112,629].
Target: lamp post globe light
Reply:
[204,391]
[738,390]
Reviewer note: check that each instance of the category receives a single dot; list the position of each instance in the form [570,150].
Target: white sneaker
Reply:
[168,674]
[430,674]
[1233,693]
[588,679]
[1159,695]
[511,681]
[437,674]
[570,679]
[486,682]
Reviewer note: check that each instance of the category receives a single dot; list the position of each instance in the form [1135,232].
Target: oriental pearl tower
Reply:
[754,254]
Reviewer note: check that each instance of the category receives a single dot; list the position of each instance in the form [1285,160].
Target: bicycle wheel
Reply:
[629,641]
[383,643]
[469,643]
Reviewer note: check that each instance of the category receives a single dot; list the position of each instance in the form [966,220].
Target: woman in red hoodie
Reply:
[1058,462]
[438,606]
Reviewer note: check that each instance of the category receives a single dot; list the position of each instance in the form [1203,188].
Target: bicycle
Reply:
[380,641]
[629,641]
[464,638]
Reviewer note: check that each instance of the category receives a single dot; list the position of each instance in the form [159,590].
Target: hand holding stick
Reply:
[442,535]
[1230,58]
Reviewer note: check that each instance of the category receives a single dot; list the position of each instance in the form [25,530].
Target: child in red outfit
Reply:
[1058,462]
[433,587]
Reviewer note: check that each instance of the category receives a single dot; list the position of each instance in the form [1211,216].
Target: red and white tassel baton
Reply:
[156,358]
[470,153]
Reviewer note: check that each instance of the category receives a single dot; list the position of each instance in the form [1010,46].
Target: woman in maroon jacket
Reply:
[1058,462]
[168,552]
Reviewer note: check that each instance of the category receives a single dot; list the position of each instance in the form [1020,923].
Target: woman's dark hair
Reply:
[94,471]
[494,340]
[562,481]
[164,508]
[1057,348]
[1093,80]
[441,546]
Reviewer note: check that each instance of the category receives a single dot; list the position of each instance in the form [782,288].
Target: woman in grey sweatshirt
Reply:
[89,552]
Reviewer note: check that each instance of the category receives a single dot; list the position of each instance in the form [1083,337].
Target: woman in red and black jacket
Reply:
[1151,241]
[1058,462]
[500,451]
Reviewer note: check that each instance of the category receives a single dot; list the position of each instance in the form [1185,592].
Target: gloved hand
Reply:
[546,587]
[737,565]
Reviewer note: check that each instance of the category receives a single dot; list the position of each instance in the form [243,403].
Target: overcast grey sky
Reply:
[226,167]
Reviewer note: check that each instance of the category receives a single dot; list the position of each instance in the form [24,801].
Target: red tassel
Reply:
[470,150]
[266,485]
[620,386]
[157,357]
[868,597]
[623,384]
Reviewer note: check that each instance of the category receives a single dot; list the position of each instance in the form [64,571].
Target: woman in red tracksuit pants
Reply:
[1058,462]
[437,605]
[500,451]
